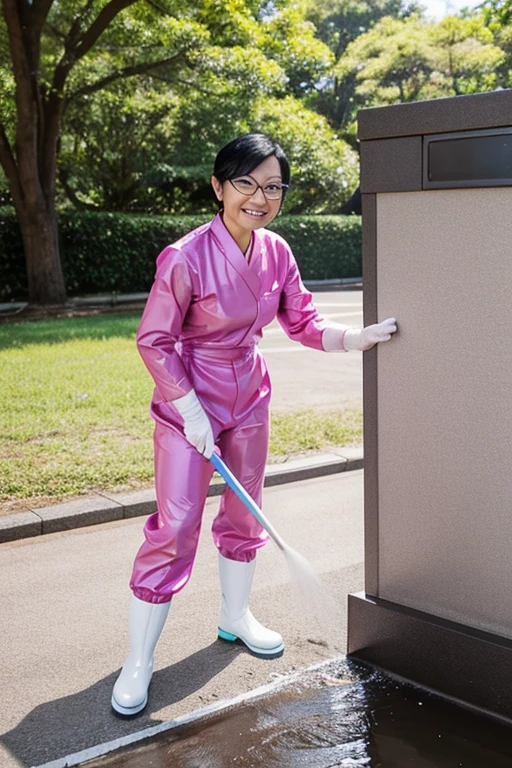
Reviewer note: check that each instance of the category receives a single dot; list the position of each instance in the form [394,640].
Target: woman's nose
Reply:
[259,193]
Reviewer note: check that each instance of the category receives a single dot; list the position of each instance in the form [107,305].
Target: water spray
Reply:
[306,580]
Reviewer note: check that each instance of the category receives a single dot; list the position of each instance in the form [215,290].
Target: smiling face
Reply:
[242,213]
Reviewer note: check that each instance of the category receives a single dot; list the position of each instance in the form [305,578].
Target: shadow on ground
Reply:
[84,719]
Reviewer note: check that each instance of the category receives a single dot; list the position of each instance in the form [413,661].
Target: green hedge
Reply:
[111,252]
[13,282]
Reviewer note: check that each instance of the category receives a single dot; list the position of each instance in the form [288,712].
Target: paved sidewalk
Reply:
[64,610]
[106,507]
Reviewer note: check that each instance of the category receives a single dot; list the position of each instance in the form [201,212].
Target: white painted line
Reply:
[356,304]
[273,332]
[270,331]
[100,750]
[356,311]
[295,348]
[300,348]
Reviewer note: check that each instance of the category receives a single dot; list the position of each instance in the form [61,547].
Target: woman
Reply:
[214,291]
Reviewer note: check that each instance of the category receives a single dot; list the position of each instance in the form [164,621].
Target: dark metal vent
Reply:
[468,159]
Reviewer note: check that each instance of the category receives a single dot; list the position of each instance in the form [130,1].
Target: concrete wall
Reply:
[445,404]
[436,182]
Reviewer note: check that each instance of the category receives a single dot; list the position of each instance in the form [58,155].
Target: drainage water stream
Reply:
[343,715]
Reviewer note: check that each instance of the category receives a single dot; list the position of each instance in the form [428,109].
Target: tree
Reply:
[467,59]
[291,41]
[145,152]
[64,63]
[498,11]
[325,170]
[58,51]
[112,146]
[497,16]
[339,23]
[411,59]
[149,145]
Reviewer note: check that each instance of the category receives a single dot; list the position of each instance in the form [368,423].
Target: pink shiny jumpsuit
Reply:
[200,329]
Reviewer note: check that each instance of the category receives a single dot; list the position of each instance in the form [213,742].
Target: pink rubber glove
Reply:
[197,427]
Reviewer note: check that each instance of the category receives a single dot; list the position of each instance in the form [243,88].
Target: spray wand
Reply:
[249,502]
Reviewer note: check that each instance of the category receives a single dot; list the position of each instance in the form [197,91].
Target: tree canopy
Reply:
[121,105]
[407,60]
[137,69]
[148,144]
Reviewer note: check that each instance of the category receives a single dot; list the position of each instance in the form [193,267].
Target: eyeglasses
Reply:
[248,186]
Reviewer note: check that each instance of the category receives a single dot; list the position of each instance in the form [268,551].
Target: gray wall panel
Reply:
[445,404]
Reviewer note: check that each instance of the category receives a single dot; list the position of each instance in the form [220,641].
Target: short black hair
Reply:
[242,155]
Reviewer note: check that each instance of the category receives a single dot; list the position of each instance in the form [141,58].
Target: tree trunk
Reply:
[39,230]
[29,162]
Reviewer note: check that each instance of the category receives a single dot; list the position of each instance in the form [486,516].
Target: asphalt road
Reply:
[306,378]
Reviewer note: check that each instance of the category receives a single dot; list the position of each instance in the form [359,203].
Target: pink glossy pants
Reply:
[164,562]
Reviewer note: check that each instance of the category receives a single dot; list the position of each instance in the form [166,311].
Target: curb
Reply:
[105,508]
[118,300]
[113,747]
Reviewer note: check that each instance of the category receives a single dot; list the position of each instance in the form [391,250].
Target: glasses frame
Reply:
[284,187]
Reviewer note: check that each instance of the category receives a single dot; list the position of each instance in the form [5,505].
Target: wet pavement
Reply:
[343,715]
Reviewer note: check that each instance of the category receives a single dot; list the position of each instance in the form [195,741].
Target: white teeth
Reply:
[254,213]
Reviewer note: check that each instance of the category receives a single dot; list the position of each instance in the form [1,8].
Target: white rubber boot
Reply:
[130,694]
[236,622]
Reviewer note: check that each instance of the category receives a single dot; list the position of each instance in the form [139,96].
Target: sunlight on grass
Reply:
[74,411]
[312,431]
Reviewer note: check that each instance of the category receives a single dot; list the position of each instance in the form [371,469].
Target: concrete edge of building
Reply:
[106,507]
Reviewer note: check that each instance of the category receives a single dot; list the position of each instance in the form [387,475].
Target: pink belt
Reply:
[218,352]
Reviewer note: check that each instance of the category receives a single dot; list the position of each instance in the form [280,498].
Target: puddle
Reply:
[344,715]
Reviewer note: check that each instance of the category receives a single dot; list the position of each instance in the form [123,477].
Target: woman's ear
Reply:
[217,188]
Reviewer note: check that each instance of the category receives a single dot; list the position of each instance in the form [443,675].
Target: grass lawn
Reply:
[74,418]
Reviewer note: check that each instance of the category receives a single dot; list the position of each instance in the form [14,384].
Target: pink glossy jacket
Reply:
[207,299]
